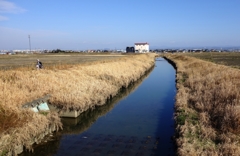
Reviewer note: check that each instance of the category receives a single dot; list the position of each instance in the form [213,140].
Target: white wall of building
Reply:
[141,47]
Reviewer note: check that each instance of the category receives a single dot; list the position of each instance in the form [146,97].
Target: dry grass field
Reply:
[225,58]
[74,84]
[207,108]
[52,59]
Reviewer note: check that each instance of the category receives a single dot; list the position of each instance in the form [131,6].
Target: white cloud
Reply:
[9,7]
[3,18]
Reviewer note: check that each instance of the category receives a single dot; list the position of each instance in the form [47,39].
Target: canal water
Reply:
[139,121]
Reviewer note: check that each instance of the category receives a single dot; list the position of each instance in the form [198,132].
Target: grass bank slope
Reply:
[77,87]
[207,107]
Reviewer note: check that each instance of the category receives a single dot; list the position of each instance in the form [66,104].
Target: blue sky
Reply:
[100,24]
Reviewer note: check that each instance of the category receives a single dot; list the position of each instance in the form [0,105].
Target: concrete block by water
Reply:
[35,109]
[43,107]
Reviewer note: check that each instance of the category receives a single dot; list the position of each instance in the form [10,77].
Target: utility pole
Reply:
[29,43]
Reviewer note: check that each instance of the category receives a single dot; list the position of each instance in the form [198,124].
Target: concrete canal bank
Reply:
[73,90]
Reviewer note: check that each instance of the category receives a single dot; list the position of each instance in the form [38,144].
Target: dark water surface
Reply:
[137,122]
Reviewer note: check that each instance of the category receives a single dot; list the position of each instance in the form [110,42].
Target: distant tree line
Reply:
[72,51]
[58,51]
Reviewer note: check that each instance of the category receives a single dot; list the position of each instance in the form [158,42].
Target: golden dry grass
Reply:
[74,87]
[207,107]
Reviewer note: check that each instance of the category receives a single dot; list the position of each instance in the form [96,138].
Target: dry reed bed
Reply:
[207,107]
[79,88]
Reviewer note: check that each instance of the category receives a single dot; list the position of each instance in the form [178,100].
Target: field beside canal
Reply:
[225,58]
[207,105]
[78,82]
[53,60]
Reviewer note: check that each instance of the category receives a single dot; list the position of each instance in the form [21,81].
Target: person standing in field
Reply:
[39,64]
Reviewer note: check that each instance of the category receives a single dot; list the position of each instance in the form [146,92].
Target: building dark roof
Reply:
[143,43]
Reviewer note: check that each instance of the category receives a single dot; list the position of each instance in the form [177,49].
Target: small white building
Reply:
[141,47]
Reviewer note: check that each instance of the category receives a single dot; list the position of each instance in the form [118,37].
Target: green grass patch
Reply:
[181,117]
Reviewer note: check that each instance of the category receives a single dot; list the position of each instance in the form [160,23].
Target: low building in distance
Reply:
[142,47]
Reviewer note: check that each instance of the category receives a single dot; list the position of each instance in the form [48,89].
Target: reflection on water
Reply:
[139,121]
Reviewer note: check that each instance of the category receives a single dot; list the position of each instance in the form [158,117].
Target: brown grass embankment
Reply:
[207,107]
[77,87]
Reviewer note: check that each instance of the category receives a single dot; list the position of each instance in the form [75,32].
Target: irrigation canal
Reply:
[137,122]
